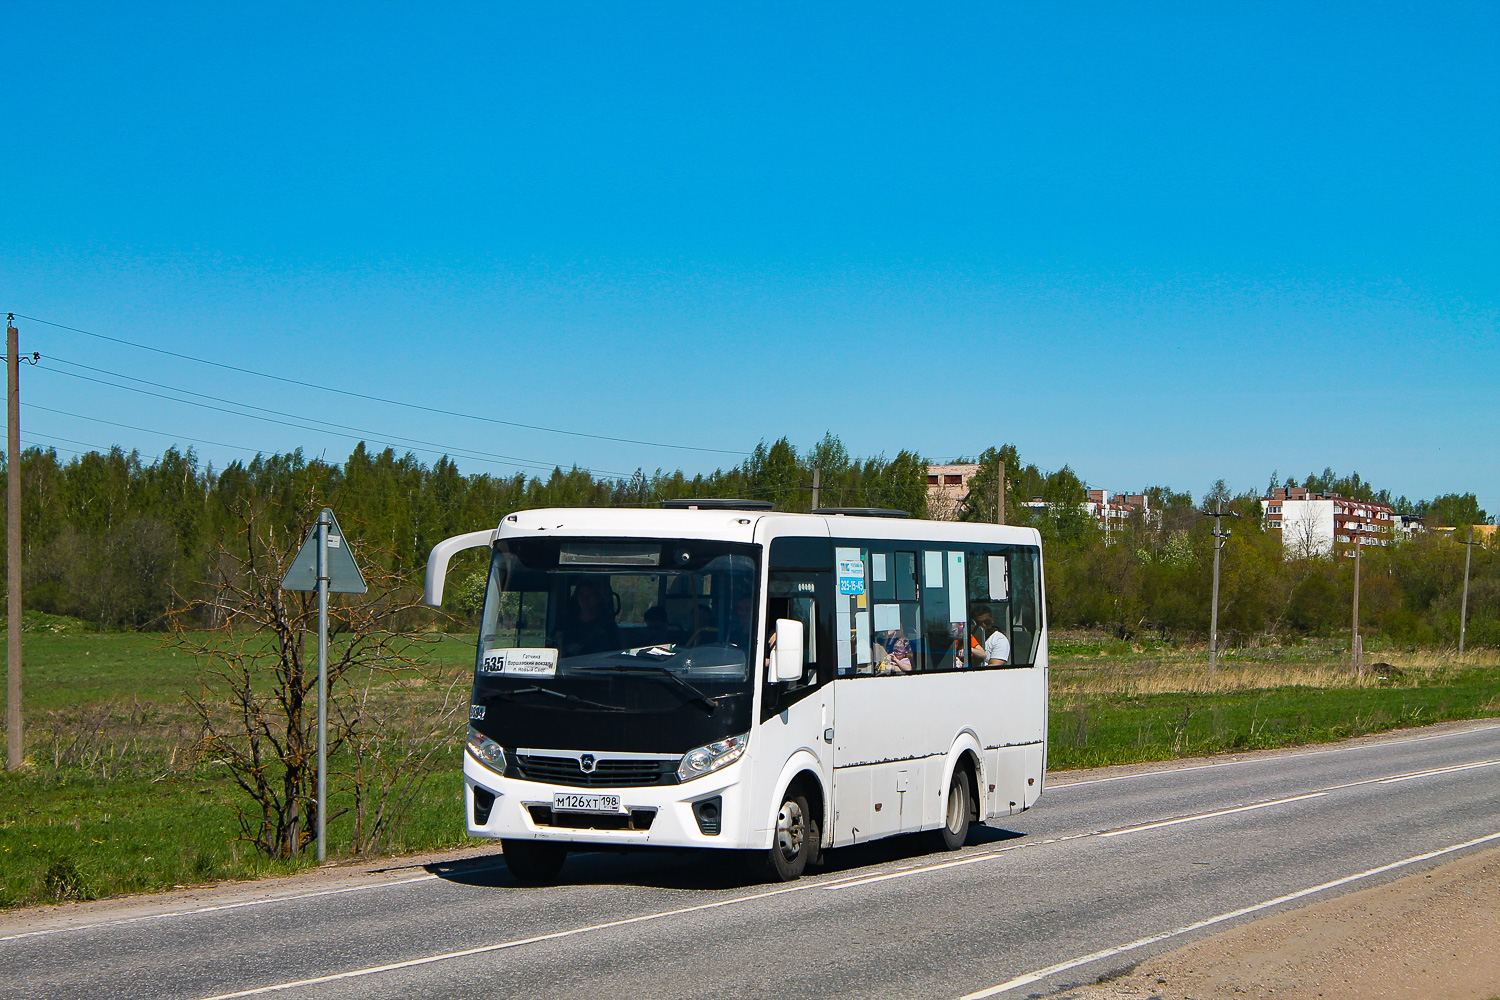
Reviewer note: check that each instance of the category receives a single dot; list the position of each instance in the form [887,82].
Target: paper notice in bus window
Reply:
[851,574]
[999,578]
[527,662]
[862,637]
[877,567]
[932,569]
[958,600]
[887,617]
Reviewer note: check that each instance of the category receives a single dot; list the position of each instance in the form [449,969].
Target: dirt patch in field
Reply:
[1428,936]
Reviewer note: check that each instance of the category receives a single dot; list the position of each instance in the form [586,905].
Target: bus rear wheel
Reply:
[533,862]
[955,829]
[797,839]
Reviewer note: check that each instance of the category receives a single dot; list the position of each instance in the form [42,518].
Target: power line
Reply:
[345,430]
[132,427]
[382,399]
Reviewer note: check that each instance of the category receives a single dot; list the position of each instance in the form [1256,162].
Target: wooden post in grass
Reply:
[1463,614]
[14,750]
[1000,492]
[1356,650]
[1219,535]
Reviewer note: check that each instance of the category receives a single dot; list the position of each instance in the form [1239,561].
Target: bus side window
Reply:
[1003,582]
[797,605]
[1026,613]
[945,631]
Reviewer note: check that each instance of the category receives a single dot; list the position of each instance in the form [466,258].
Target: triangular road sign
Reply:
[344,576]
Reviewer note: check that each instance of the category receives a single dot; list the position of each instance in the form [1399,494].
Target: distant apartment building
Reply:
[1405,526]
[947,490]
[1112,511]
[1320,524]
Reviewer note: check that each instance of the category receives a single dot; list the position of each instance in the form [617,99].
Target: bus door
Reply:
[797,716]
[882,753]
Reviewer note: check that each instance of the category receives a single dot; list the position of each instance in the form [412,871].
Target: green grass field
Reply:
[114,801]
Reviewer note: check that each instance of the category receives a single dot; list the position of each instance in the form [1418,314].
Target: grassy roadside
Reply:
[1120,703]
[113,803]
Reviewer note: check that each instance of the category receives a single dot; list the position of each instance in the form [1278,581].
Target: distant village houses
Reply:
[1112,511]
[948,493]
[948,490]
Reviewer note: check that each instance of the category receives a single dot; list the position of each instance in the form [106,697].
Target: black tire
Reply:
[955,829]
[797,839]
[533,862]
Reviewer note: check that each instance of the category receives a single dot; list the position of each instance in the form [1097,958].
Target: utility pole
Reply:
[1000,493]
[1220,533]
[1356,652]
[13,746]
[817,484]
[1463,614]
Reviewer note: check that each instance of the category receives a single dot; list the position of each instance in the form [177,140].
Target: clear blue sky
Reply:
[1160,243]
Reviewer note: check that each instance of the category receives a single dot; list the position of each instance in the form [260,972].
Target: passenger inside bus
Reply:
[893,652]
[589,625]
[988,645]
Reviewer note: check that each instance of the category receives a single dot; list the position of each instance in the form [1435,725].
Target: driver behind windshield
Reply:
[589,623]
[658,631]
[742,622]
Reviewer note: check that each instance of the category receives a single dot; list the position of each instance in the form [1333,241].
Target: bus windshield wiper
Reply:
[712,704]
[570,698]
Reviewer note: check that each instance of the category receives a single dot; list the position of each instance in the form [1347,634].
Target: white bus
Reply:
[718,675]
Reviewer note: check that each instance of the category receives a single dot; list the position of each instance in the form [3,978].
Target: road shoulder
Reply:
[1429,935]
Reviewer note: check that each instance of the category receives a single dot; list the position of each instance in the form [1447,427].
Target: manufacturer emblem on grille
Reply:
[586,763]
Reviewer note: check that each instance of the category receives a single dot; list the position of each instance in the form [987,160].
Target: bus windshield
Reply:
[617,644]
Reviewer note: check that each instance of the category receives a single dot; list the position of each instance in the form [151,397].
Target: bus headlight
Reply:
[486,751]
[696,763]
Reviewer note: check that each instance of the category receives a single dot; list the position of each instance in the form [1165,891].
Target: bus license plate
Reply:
[569,802]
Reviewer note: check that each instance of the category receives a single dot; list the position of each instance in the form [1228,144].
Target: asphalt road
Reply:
[1101,874]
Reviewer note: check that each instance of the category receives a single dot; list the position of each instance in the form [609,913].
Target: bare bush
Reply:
[257,703]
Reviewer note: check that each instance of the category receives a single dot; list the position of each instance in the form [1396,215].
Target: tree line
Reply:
[121,542]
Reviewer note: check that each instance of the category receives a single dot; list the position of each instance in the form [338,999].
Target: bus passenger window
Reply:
[1007,576]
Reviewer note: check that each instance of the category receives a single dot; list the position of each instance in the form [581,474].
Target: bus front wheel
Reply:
[955,829]
[533,862]
[797,839]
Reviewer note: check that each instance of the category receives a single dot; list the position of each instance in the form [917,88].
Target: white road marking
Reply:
[988,855]
[1439,770]
[1051,970]
[518,942]
[1221,812]
[1266,760]
[971,859]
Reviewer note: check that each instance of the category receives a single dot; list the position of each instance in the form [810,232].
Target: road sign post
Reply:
[325,563]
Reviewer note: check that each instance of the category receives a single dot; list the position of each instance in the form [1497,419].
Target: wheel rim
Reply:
[955,807]
[789,829]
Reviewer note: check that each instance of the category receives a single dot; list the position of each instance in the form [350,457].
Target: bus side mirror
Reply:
[437,562]
[786,658]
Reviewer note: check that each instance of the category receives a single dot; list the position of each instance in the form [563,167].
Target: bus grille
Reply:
[606,773]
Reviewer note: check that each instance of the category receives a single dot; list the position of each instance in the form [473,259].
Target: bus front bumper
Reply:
[658,815]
